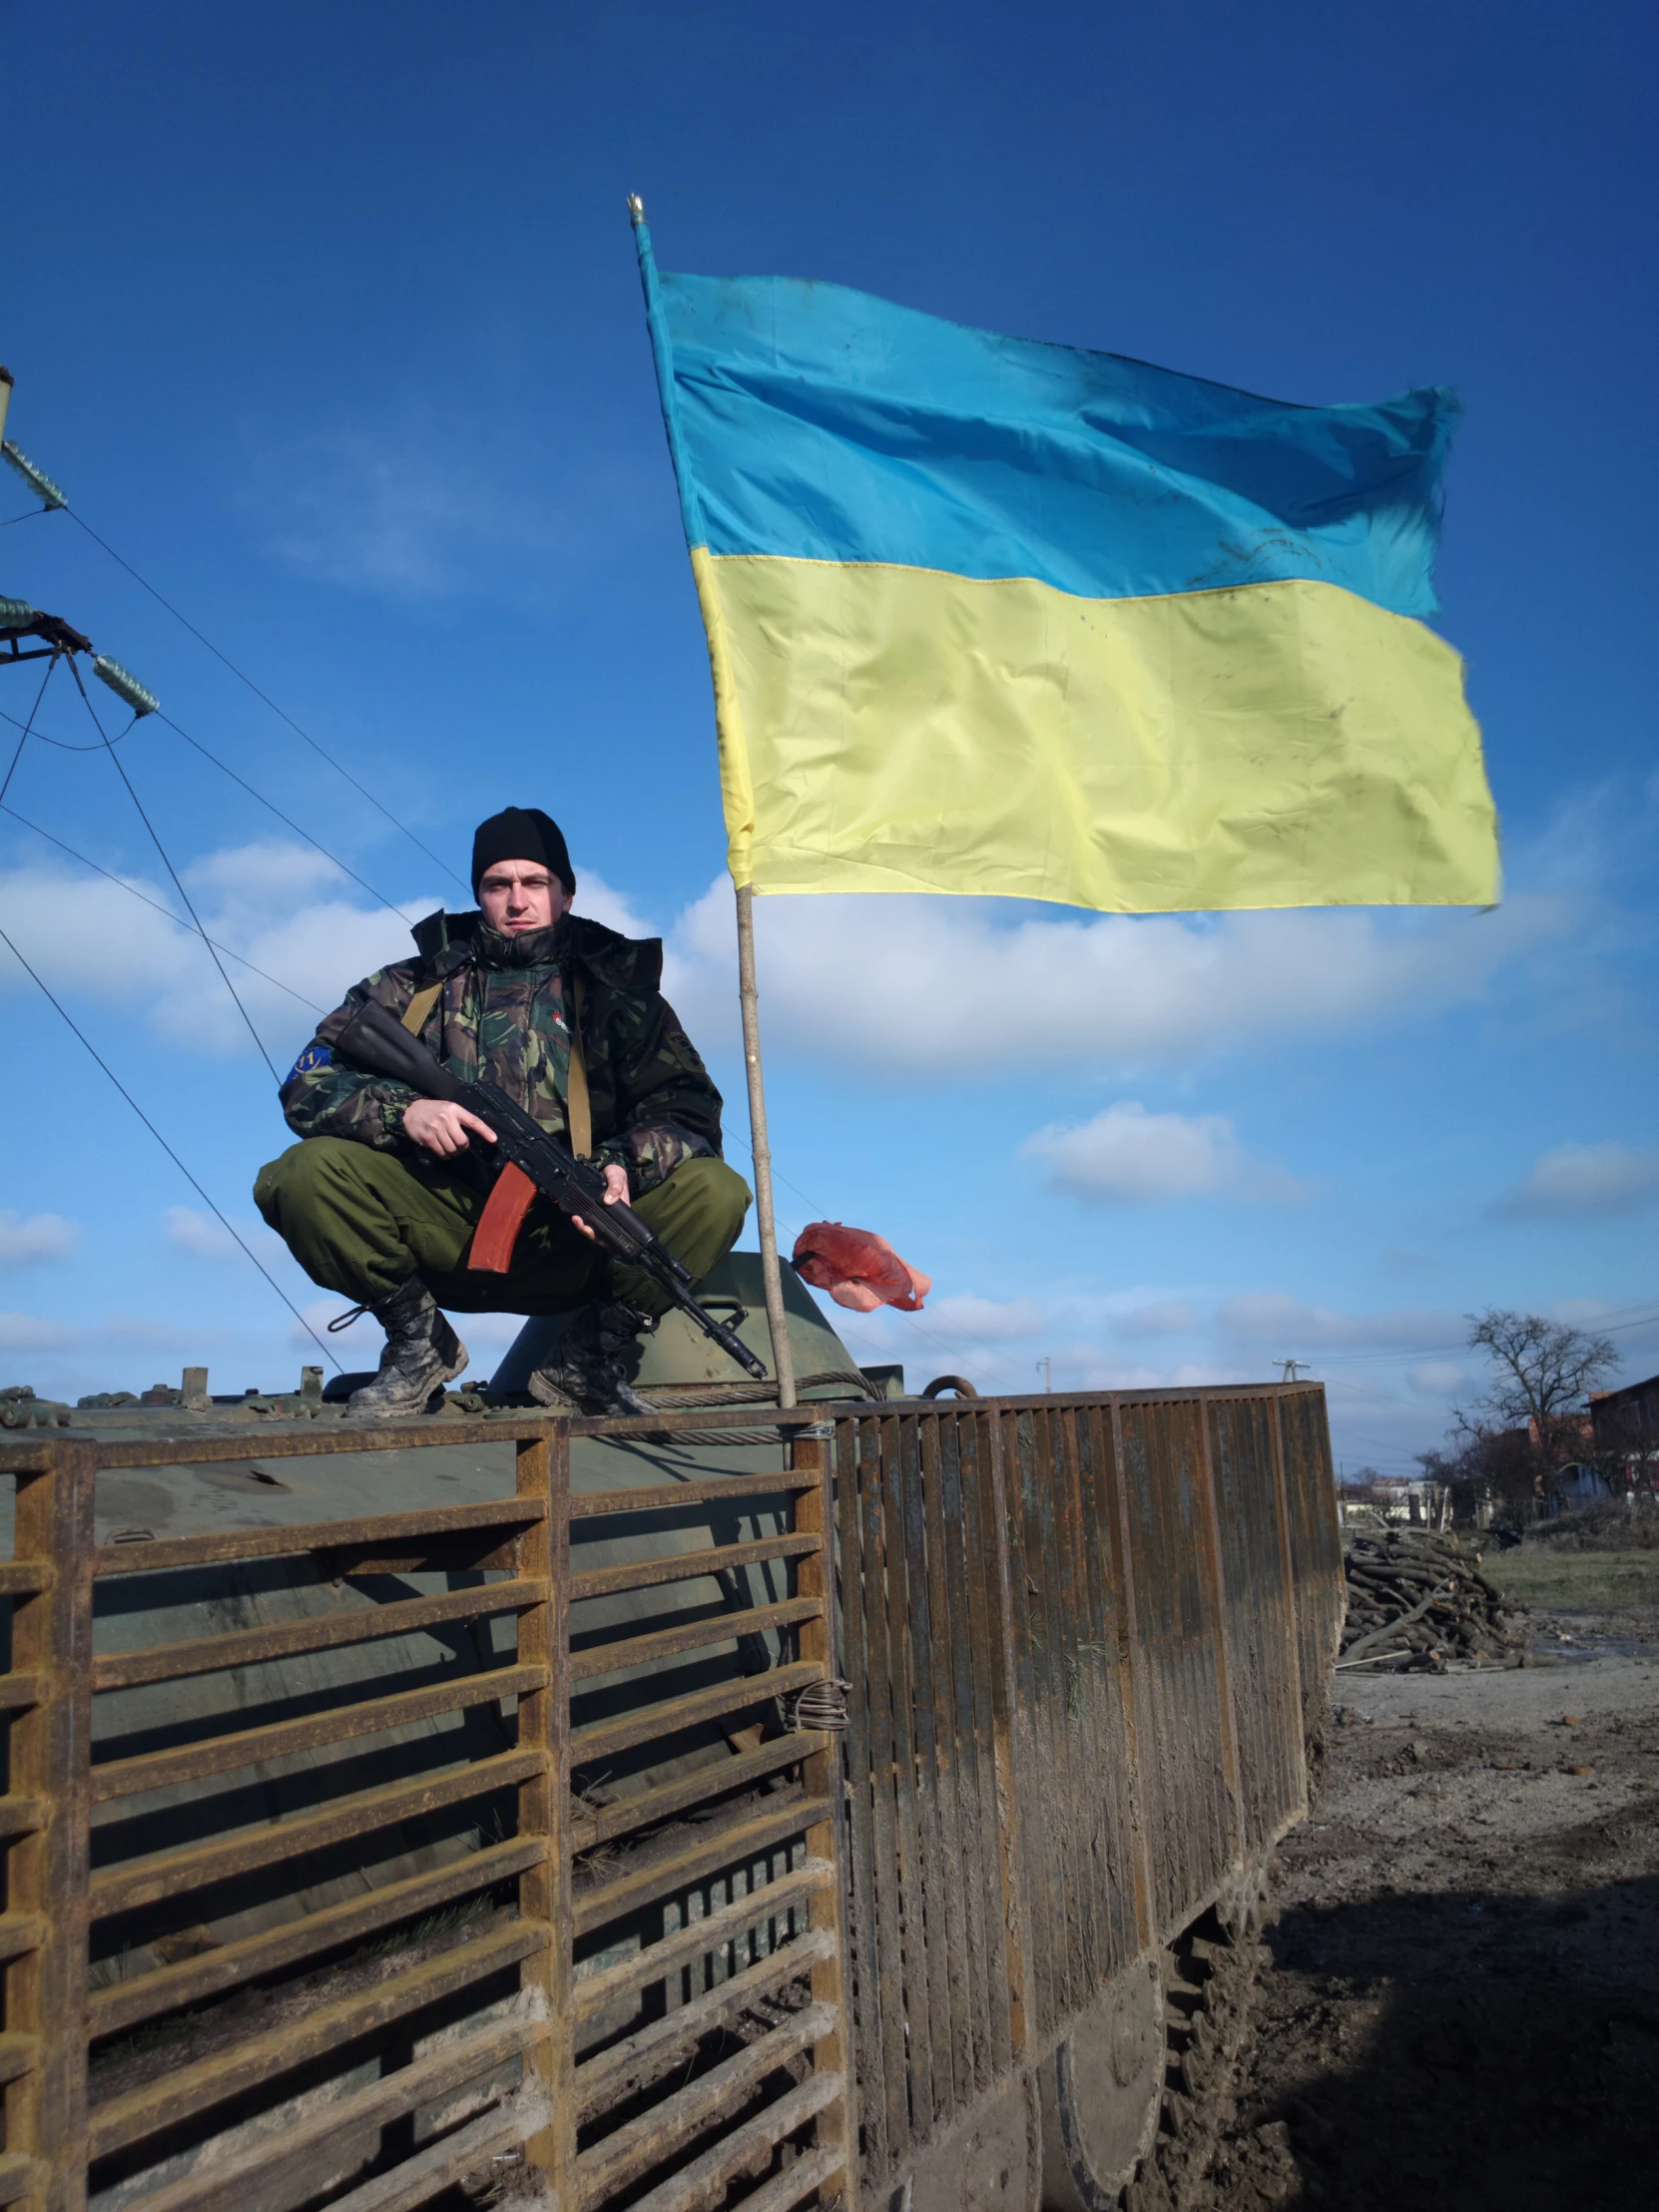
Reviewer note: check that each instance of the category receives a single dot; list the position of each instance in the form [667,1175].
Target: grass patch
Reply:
[1577,1581]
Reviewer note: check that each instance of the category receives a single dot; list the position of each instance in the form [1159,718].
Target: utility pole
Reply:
[1046,1369]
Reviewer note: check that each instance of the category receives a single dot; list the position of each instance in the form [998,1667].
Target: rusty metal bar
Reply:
[667,1797]
[1210,1551]
[595,1660]
[636,2147]
[21,1815]
[1113,1732]
[603,1739]
[190,1980]
[703,2184]
[20,1690]
[365,1624]
[713,1933]
[369,1532]
[48,1868]
[543,1479]
[21,1931]
[662,1496]
[292,2155]
[909,1663]
[870,2002]
[988,1567]
[19,2177]
[307,1439]
[19,2054]
[129,2118]
[246,1747]
[780,1418]
[941,1805]
[886,1936]
[23,1578]
[803,2178]
[1137,1709]
[822,1776]
[621,2070]
[421,2179]
[724,1846]
[685,1566]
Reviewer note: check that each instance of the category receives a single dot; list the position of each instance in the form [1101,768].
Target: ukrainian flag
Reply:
[992,616]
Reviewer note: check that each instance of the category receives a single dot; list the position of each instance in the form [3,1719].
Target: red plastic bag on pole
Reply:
[858,1269]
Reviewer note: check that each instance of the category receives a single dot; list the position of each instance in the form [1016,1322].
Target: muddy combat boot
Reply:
[584,1373]
[422,1353]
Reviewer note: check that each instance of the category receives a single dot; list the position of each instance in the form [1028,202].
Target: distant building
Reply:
[1625,1424]
[1396,1501]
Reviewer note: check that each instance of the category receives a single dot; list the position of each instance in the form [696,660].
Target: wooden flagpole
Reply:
[771,1275]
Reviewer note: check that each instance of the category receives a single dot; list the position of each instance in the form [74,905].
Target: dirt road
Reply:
[1462,2002]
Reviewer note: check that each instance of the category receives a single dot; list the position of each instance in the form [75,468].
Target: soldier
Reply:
[379,1198]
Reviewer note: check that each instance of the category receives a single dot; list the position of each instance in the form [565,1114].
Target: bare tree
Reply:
[1534,1409]
[1544,1370]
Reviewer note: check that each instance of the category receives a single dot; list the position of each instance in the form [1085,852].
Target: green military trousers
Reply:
[361,1222]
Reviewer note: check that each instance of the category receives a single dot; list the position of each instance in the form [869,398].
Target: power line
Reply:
[223,1219]
[225,768]
[178,884]
[287,820]
[27,727]
[178,920]
[242,678]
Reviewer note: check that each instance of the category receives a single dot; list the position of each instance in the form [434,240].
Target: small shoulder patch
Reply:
[313,1057]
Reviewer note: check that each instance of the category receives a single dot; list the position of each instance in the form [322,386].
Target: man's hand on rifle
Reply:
[616,1190]
[442,1126]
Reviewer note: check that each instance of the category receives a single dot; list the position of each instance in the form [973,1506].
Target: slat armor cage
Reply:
[1083,1639]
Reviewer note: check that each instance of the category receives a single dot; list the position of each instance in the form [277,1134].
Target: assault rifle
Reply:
[532,1161]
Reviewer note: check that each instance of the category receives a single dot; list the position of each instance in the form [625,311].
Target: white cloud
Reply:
[1260,1318]
[86,934]
[596,898]
[282,906]
[205,1237]
[1605,1178]
[988,1317]
[1436,1378]
[415,504]
[930,987]
[1127,1156]
[41,1237]
[402,512]
[1161,1317]
[25,1332]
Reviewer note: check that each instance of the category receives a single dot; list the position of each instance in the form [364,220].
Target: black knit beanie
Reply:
[522,834]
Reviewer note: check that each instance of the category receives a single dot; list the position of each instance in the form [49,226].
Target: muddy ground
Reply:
[1461,2001]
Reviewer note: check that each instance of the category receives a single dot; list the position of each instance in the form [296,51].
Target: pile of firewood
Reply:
[1418,1601]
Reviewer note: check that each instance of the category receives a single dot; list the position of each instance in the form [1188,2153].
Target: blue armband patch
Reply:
[313,1057]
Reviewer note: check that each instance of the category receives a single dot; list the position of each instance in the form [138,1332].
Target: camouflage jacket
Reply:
[504,1014]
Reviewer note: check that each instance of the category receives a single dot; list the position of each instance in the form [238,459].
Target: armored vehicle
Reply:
[863,1801]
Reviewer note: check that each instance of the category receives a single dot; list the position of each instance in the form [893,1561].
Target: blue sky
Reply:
[326,318]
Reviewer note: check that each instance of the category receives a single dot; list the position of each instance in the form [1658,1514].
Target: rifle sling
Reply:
[416,1013]
[577,1109]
